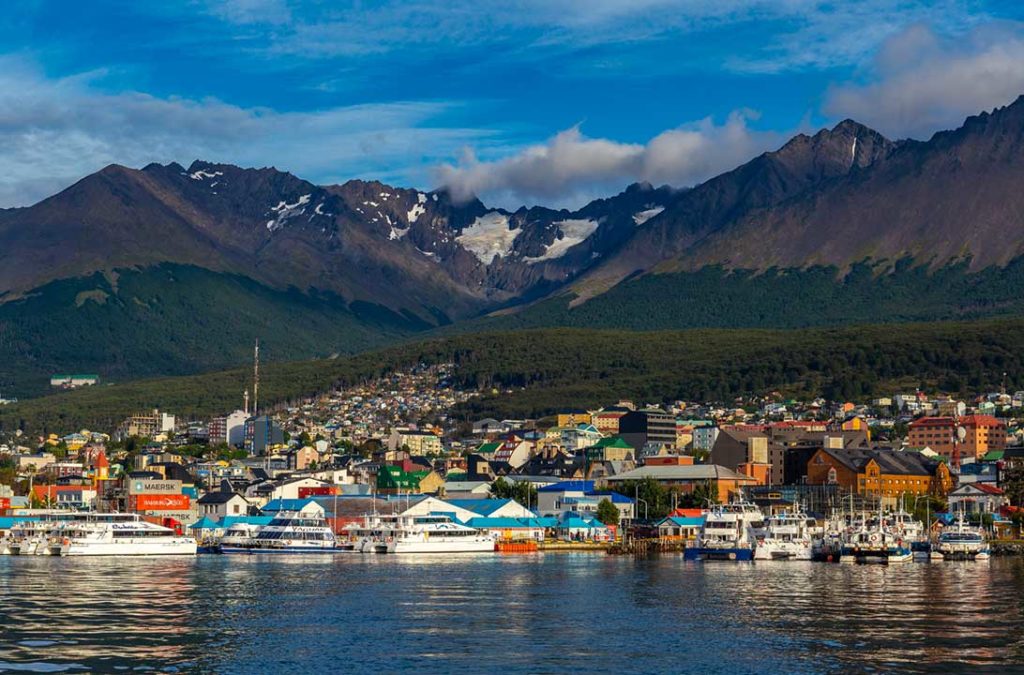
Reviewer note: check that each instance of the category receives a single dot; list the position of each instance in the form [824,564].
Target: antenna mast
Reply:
[256,378]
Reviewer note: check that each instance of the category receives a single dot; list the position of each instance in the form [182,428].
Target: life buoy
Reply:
[873,538]
[66,541]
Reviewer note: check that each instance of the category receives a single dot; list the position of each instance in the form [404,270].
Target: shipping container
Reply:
[141,486]
[319,491]
[158,502]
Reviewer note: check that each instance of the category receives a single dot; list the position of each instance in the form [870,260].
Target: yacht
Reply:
[419,534]
[961,542]
[122,534]
[730,532]
[288,532]
[787,537]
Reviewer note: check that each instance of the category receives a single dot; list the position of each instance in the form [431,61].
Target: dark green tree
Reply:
[607,512]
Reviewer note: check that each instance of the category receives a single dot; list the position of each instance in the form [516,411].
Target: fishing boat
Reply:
[961,542]
[910,530]
[288,532]
[121,534]
[730,532]
[787,537]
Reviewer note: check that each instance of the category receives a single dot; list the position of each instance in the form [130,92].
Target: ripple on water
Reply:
[512,614]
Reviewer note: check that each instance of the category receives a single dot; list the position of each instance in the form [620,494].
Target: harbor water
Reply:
[549,613]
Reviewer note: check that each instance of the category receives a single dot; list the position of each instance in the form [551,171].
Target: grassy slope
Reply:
[549,369]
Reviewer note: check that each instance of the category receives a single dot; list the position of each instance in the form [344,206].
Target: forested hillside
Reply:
[550,369]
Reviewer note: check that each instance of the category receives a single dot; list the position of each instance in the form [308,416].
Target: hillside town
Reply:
[390,445]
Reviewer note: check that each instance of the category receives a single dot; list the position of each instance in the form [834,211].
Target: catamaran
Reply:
[122,534]
[288,532]
[787,538]
[418,534]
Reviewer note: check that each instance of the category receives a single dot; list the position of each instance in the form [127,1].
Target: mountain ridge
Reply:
[784,230]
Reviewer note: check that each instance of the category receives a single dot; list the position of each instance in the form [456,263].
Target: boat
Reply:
[37,536]
[730,532]
[961,542]
[288,532]
[911,530]
[875,542]
[239,535]
[121,534]
[787,537]
[419,534]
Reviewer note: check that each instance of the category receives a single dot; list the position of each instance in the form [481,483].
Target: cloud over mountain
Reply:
[922,82]
[571,167]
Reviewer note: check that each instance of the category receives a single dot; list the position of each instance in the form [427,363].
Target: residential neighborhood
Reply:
[390,446]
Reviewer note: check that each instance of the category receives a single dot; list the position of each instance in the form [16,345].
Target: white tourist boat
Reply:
[875,542]
[419,534]
[961,542]
[36,536]
[730,532]
[288,532]
[787,537]
[120,534]
[240,535]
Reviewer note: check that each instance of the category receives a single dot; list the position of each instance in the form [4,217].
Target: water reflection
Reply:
[541,613]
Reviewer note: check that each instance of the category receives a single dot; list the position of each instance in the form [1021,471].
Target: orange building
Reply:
[983,433]
[879,472]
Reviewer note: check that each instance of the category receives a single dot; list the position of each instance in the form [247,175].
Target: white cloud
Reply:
[55,131]
[922,82]
[570,168]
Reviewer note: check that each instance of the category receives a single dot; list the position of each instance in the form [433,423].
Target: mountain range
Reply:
[170,270]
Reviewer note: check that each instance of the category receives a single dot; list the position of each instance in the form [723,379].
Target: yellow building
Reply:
[573,419]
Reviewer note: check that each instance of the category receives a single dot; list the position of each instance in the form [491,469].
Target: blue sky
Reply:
[517,101]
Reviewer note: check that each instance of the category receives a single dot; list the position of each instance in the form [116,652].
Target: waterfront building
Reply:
[687,478]
[879,472]
[976,498]
[579,496]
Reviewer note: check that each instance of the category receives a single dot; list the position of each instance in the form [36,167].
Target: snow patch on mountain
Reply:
[644,216]
[488,236]
[200,175]
[574,231]
[417,209]
[285,211]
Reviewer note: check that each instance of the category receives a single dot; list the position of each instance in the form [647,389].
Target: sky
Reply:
[516,101]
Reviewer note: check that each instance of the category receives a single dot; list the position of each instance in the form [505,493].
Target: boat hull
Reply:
[887,556]
[768,550]
[130,548]
[730,554]
[284,550]
[481,546]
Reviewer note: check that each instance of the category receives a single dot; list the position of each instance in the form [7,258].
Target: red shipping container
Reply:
[5,503]
[320,491]
[158,503]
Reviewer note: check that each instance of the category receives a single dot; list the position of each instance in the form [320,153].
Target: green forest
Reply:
[536,372]
[791,298]
[174,320]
